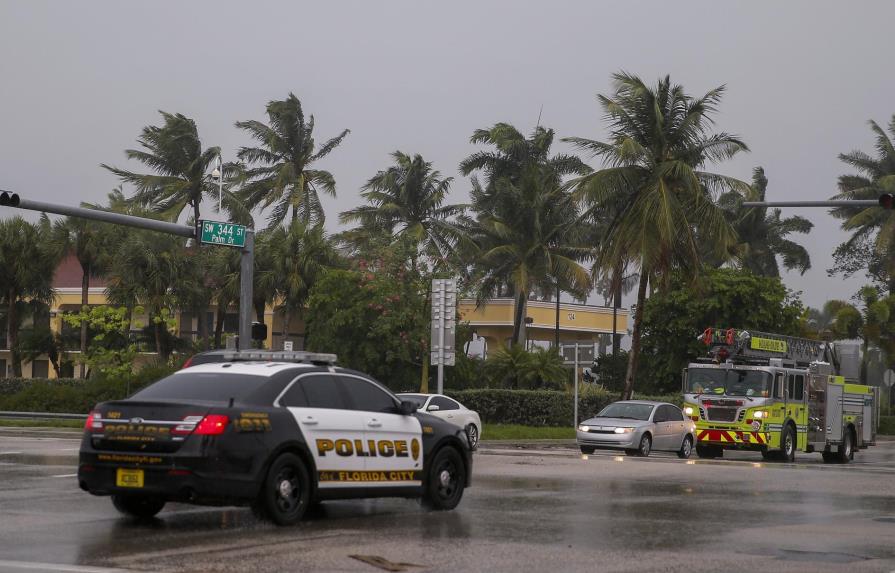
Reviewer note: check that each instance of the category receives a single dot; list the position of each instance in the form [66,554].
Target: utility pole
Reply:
[211,232]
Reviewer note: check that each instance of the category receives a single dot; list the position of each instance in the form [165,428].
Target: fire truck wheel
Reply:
[788,444]
[686,448]
[847,449]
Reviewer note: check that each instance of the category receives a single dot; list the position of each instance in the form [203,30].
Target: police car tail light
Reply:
[94,422]
[212,425]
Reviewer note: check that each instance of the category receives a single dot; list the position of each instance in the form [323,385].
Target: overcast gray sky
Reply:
[78,81]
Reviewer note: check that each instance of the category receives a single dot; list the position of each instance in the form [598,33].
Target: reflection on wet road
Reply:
[528,510]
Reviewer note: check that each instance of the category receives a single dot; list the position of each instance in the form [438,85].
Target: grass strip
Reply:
[518,432]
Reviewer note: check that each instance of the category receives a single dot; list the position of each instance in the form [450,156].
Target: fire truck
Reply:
[776,395]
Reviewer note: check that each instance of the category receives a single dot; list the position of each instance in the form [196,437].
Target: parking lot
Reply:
[530,509]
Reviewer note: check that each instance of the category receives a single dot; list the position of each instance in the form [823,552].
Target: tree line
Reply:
[651,213]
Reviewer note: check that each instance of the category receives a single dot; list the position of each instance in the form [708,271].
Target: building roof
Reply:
[69,274]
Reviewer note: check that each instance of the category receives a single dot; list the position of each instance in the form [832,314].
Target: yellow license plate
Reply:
[129,478]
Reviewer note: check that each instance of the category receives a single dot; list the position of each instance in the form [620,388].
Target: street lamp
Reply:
[218,174]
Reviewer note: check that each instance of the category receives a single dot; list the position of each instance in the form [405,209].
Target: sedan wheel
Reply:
[686,448]
[472,433]
[646,445]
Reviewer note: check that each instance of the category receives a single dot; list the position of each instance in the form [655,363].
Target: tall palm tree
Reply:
[525,234]
[301,254]
[763,235]
[180,179]
[27,266]
[659,142]
[279,172]
[89,243]
[875,176]
[406,200]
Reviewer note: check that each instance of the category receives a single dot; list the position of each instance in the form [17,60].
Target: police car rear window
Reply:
[208,386]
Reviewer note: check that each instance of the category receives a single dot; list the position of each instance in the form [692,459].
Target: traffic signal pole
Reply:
[246,271]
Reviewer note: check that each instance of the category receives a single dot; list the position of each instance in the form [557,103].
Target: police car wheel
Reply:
[140,506]
[472,433]
[447,478]
[286,492]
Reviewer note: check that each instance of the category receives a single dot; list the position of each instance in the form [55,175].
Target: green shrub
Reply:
[72,395]
[539,407]
[886,425]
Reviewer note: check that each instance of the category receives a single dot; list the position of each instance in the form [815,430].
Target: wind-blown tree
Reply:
[406,201]
[279,171]
[301,255]
[525,238]
[90,243]
[763,236]
[181,167]
[660,140]
[518,167]
[870,226]
[144,270]
[27,266]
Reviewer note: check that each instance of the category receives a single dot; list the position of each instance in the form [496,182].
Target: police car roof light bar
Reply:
[280,356]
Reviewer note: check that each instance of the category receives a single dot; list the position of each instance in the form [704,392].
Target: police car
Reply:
[277,431]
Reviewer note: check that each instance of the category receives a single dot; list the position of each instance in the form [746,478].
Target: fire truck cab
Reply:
[776,395]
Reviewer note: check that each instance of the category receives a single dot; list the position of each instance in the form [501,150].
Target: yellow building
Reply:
[581,323]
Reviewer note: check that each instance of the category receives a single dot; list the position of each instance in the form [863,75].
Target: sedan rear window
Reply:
[206,386]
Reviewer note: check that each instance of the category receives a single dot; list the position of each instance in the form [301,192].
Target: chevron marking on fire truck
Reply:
[731,436]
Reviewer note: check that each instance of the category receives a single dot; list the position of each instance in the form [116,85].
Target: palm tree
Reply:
[763,236]
[89,242]
[27,267]
[524,233]
[406,200]
[876,175]
[300,254]
[144,270]
[659,142]
[283,176]
[174,152]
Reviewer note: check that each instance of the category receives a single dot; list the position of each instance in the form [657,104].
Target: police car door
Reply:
[394,440]
[331,430]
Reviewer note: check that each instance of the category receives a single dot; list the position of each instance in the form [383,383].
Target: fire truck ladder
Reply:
[760,347]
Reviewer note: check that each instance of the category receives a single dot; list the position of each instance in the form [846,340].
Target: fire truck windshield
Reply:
[729,382]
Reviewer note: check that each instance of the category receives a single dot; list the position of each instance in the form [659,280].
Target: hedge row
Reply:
[886,425]
[72,395]
[538,407]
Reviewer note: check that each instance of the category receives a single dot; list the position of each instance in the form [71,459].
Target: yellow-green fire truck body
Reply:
[776,395]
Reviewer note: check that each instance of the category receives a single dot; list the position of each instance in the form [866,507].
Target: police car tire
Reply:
[139,506]
[278,498]
[441,494]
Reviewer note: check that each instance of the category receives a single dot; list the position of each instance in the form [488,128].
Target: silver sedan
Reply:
[638,427]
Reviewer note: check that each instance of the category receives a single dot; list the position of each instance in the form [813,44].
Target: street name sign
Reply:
[226,234]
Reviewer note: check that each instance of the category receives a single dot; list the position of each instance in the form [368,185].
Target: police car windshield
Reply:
[626,410]
[207,386]
[729,381]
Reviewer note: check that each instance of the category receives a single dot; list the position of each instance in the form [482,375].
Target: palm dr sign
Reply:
[218,233]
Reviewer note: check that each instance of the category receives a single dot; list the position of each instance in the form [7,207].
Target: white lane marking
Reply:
[28,566]
[64,476]
[9,453]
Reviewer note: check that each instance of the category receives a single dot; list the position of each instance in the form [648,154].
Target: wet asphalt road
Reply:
[543,510]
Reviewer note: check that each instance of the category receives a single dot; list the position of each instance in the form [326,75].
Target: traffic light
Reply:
[10,199]
[886,201]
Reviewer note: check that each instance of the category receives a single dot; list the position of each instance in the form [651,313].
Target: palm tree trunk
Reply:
[286,319]
[616,304]
[202,327]
[219,323]
[519,318]
[557,318]
[634,354]
[12,335]
[158,339]
[85,288]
